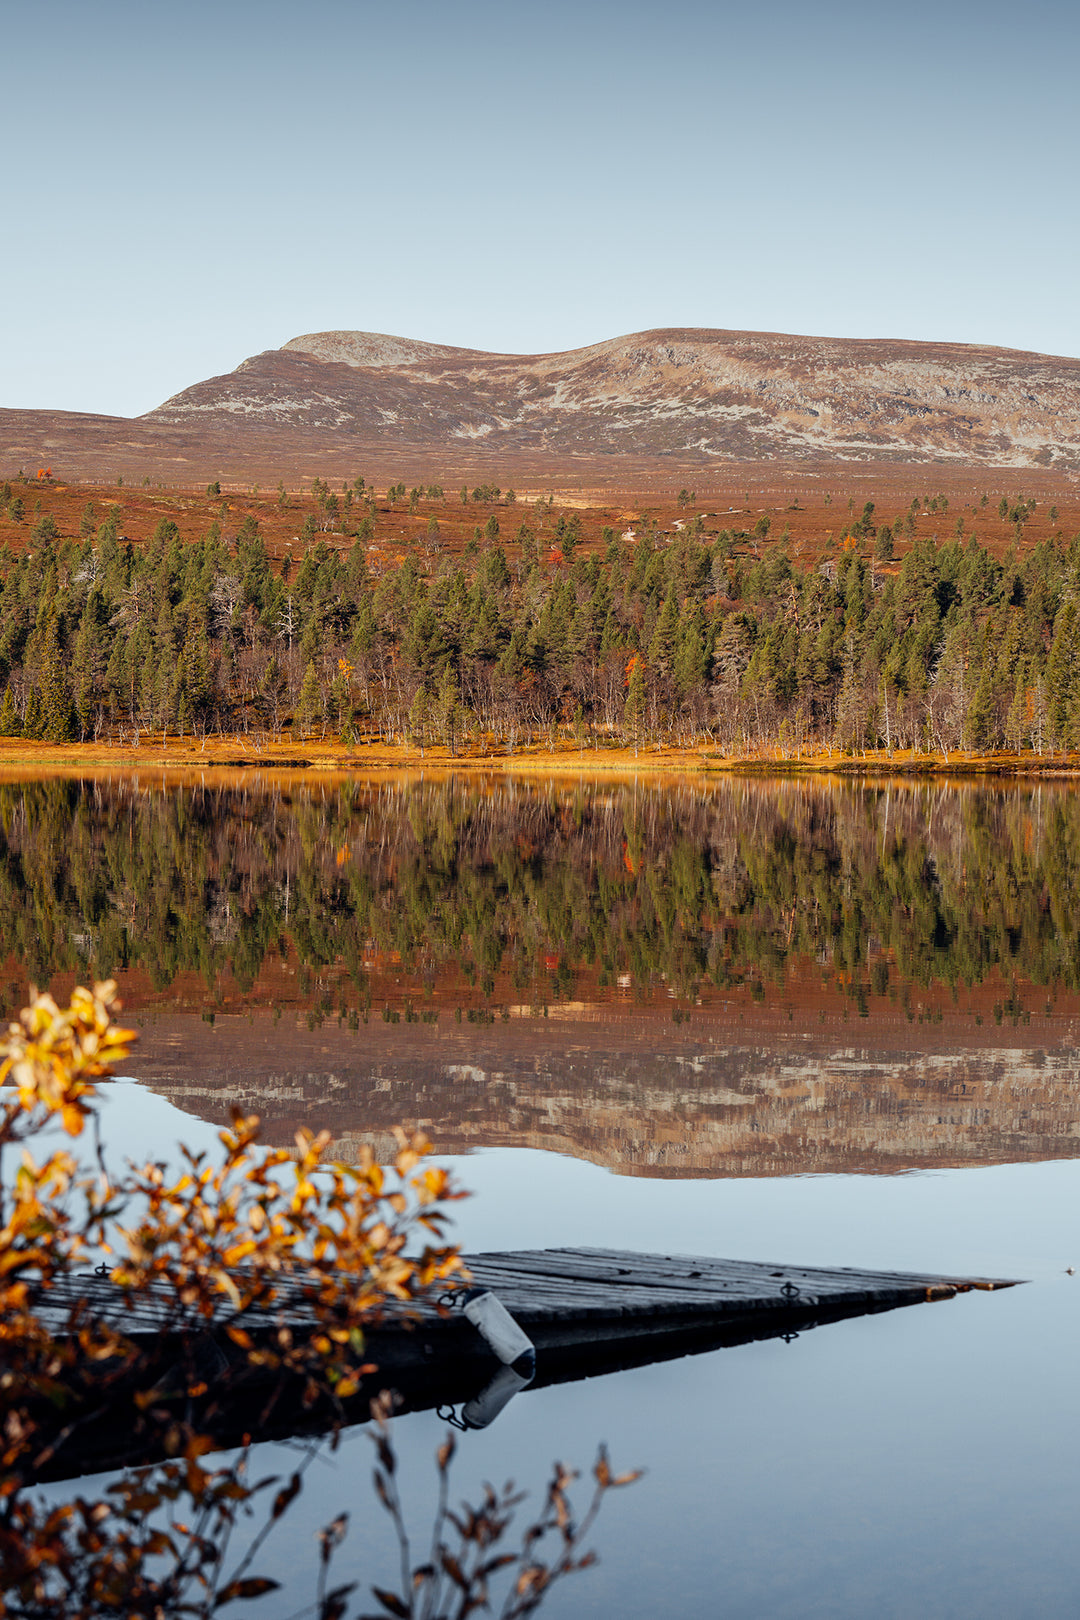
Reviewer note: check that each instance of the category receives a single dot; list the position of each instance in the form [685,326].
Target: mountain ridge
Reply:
[639,410]
[717,395]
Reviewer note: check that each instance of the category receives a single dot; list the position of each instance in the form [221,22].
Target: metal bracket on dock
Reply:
[448,1414]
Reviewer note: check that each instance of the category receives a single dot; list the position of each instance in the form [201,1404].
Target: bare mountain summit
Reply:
[697,396]
[639,412]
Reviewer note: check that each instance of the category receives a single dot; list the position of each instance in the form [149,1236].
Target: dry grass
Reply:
[220,759]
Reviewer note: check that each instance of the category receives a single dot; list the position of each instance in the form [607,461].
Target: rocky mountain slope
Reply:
[632,412]
[691,394]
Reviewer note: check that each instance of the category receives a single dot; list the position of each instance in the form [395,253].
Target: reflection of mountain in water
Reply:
[647,1105]
[742,976]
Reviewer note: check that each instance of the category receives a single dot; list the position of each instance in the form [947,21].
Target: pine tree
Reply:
[338,704]
[170,688]
[183,710]
[530,554]
[364,635]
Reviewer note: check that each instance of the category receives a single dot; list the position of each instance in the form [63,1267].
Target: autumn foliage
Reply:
[231,1253]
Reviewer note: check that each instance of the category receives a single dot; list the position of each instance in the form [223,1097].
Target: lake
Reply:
[809,1022]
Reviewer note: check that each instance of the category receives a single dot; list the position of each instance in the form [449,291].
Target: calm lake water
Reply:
[815,1024]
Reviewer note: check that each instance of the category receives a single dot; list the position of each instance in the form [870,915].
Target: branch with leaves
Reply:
[232,1244]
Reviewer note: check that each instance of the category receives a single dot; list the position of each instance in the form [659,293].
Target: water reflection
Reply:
[701,1111]
[751,978]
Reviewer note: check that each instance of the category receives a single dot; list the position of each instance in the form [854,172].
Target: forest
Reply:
[692,635]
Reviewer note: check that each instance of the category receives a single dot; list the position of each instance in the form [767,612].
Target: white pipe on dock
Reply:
[498,1329]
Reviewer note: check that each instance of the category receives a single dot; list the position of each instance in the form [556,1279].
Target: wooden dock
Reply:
[578,1296]
[586,1311]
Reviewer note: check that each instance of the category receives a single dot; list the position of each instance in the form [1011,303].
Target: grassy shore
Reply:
[185,757]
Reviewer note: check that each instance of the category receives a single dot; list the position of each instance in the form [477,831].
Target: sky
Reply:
[192,183]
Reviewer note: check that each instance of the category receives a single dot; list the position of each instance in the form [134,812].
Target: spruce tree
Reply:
[32,718]
[10,725]
[310,707]
[84,668]
[57,714]
[662,645]
[1061,676]
[114,672]
[634,707]
[448,709]
[196,661]
[979,721]
[148,694]
[311,640]
[418,720]
[1016,719]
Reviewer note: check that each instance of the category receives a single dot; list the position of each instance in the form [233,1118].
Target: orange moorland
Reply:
[807,509]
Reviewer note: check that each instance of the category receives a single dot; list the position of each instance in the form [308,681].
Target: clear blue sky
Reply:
[188,184]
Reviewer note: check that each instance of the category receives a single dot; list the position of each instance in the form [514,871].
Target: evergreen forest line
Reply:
[672,639]
[514,892]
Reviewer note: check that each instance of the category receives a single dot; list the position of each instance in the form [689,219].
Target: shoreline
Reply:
[240,757]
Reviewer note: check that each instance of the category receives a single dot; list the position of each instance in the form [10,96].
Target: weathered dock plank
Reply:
[559,1295]
[559,1292]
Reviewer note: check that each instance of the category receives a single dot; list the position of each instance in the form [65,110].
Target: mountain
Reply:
[678,398]
[737,396]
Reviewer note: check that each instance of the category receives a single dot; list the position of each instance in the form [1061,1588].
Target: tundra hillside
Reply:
[641,411]
[474,621]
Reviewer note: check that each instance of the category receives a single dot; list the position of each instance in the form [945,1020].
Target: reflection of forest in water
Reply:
[749,978]
[516,890]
